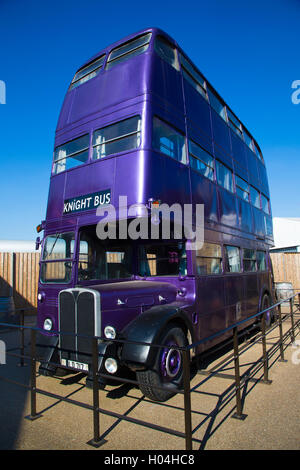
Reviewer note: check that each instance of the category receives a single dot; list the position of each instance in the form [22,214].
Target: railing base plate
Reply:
[241,417]
[96,444]
[33,418]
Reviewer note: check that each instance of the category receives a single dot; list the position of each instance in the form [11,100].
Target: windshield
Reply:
[103,259]
[57,258]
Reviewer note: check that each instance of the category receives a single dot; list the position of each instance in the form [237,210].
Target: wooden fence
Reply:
[19,274]
[286,268]
[19,278]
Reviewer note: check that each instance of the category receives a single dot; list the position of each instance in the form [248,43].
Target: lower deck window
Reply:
[209,259]
[249,260]
[162,259]
[232,259]
[58,272]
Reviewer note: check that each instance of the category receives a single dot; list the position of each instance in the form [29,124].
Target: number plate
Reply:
[78,365]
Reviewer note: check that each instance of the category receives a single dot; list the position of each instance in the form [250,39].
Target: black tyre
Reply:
[167,371]
[269,314]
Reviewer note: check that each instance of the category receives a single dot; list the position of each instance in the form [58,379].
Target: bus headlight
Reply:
[111,365]
[48,324]
[110,332]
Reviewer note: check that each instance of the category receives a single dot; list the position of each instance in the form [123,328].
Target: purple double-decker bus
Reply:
[140,120]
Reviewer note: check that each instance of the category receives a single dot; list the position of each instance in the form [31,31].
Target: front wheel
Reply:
[269,314]
[167,372]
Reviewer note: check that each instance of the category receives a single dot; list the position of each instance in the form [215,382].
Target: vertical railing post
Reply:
[292,319]
[187,399]
[96,441]
[264,347]
[238,414]
[280,335]
[22,340]
[33,414]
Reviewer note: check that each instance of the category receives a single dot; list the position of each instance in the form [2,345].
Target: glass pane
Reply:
[57,272]
[210,250]
[166,51]
[76,145]
[70,162]
[168,141]
[131,49]
[110,259]
[59,246]
[129,46]
[249,260]
[118,137]
[201,161]
[192,71]
[162,259]
[208,265]
[242,188]
[261,260]
[87,72]
[224,176]
[265,204]
[233,262]
[254,196]
[216,104]
[248,139]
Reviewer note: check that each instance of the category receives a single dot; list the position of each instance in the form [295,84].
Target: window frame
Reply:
[191,72]
[77,82]
[196,157]
[237,185]
[68,156]
[122,56]
[220,258]
[138,133]
[171,46]
[180,133]
[218,162]
[226,260]
[249,259]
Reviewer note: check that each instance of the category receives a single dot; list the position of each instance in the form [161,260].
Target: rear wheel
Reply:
[167,371]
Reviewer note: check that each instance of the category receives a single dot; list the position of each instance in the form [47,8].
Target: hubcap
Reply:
[170,362]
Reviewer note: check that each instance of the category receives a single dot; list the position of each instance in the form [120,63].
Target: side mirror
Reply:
[37,243]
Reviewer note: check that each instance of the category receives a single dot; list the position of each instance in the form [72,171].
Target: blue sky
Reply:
[248,50]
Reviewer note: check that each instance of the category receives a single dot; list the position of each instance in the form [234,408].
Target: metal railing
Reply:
[186,390]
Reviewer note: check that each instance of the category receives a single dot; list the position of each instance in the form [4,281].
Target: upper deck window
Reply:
[265,204]
[234,124]
[168,141]
[130,49]
[193,77]
[248,140]
[166,51]
[118,137]
[257,151]
[201,161]
[242,188]
[216,104]
[72,154]
[224,176]
[88,72]
[254,196]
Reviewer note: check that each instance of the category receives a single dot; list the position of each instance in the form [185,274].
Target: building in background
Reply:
[286,235]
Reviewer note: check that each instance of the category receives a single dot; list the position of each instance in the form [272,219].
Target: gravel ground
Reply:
[273,411]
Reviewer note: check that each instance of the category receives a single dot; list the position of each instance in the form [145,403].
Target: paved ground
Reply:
[273,420]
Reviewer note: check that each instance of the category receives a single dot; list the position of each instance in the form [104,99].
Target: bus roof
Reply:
[158,31]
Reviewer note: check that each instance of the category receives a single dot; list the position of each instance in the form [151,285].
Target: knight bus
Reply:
[139,119]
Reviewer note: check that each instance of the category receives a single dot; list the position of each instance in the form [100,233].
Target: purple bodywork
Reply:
[146,85]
